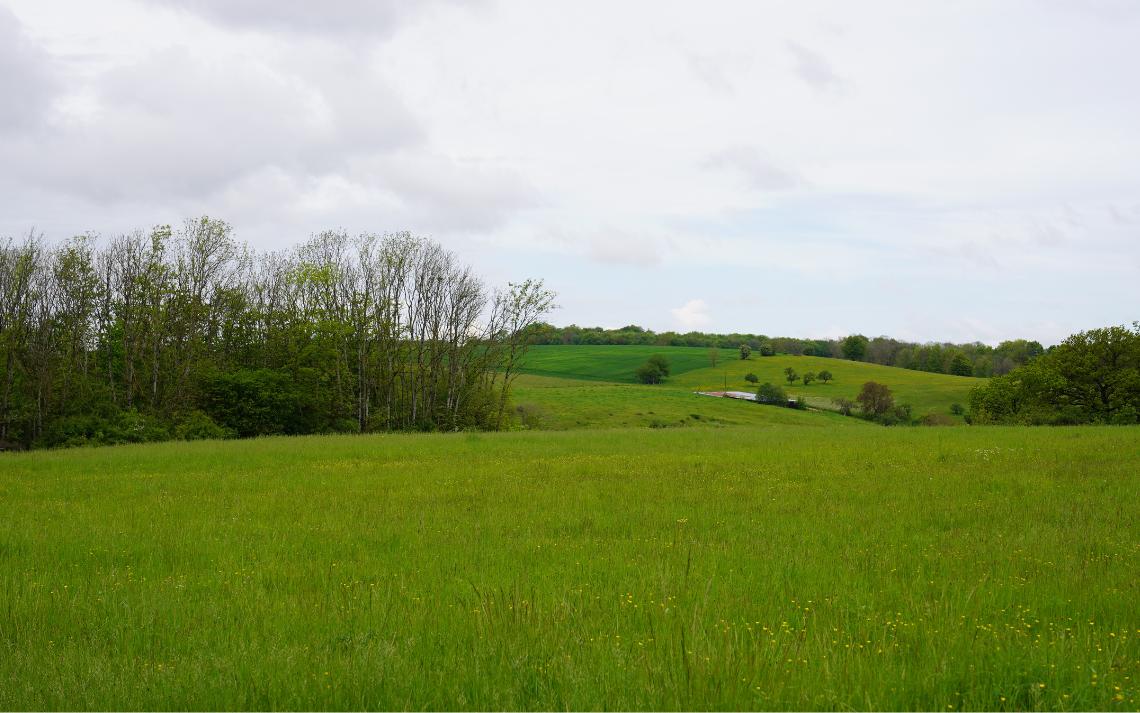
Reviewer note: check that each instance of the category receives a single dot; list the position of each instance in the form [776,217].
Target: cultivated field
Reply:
[740,567]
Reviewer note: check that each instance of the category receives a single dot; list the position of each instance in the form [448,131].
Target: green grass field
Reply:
[571,369]
[778,567]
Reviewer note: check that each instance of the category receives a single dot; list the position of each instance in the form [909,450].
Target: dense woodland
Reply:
[188,333]
[974,359]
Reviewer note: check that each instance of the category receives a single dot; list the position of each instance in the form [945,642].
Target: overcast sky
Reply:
[928,170]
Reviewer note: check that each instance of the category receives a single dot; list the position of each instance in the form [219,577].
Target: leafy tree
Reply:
[875,399]
[650,373]
[714,356]
[751,378]
[769,393]
[766,350]
[957,409]
[960,365]
[661,363]
[745,351]
[808,377]
[791,375]
[825,376]
[854,347]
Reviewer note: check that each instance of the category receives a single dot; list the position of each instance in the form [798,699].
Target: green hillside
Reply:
[612,363]
[927,393]
[554,403]
[779,568]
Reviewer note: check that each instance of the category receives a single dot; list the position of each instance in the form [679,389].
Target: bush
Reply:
[957,409]
[751,378]
[769,393]
[808,377]
[198,426]
[745,351]
[936,419]
[661,362]
[649,373]
[825,376]
[766,350]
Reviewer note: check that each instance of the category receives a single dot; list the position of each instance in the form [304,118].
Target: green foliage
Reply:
[791,375]
[808,377]
[825,376]
[957,409]
[650,373]
[854,347]
[661,362]
[1091,377]
[745,351]
[770,393]
[960,365]
[751,378]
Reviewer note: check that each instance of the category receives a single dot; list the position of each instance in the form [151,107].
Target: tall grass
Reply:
[774,568]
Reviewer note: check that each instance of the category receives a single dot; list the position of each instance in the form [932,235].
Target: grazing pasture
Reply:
[733,568]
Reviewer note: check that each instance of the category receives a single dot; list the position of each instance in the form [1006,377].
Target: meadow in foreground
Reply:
[740,567]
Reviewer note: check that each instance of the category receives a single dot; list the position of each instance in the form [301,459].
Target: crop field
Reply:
[575,366]
[741,567]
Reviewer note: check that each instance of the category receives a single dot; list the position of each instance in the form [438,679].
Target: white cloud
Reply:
[693,315]
[859,157]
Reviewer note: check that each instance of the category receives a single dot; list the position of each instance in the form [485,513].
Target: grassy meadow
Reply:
[742,567]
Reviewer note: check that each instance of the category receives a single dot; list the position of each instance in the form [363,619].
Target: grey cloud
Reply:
[757,169]
[305,17]
[176,126]
[813,68]
[27,83]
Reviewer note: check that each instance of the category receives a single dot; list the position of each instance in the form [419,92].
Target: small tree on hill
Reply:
[824,376]
[751,378]
[745,351]
[714,356]
[661,362]
[875,399]
[791,375]
[650,373]
[808,377]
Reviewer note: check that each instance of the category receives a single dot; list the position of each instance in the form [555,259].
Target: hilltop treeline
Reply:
[1091,377]
[974,359]
[188,333]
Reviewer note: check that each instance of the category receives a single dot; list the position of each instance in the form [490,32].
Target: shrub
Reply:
[769,393]
[808,377]
[751,378]
[649,373]
[198,426]
[957,409]
[825,376]
[745,351]
[661,362]
[530,415]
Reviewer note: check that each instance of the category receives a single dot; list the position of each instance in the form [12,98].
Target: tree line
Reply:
[188,333]
[972,359]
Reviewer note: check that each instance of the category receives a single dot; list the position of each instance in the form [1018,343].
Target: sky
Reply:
[965,171]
